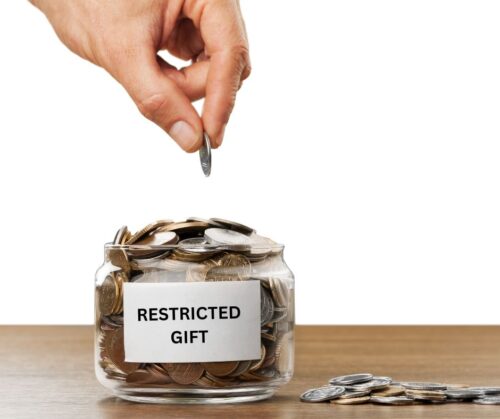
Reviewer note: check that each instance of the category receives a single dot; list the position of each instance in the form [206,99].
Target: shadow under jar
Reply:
[194,322]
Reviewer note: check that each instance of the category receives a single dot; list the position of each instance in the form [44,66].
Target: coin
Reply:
[395,401]
[147,230]
[118,257]
[426,395]
[221,236]
[351,379]
[492,400]
[266,306]
[256,364]
[279,291]
[220,369]
[230,267]
[354,400]
[158,238]
[233,225]
[243,366]
[205,154]
[120,235]
[354,394]
[376,383]
[493,391]
[322,394]
[185,373]
[116,351]
[463,393]
[423,386]
[107,295]
[390,391]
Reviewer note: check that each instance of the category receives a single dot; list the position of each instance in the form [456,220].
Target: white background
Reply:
[366,140]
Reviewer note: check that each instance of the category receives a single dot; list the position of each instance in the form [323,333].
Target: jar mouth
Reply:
[274,247]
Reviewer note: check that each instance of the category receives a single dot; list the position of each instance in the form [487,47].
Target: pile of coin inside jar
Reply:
[195,250]
[365,388]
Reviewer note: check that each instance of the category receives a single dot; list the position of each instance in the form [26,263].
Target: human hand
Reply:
[124,37]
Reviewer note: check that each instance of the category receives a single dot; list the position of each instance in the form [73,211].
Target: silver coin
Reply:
[221,236]
[355,394]
[266,306]
[489,391]
[423,386]
[196,245]
[463,393]
[377,383]
[206,155]
[322,394]
[395,401]
[488,400]
[351,379]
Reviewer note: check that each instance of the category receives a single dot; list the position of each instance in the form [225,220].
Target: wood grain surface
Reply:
[48,372]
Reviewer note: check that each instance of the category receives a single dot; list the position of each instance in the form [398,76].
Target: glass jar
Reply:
[194,320]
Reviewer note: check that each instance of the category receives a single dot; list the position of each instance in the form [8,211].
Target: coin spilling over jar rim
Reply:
[194,311]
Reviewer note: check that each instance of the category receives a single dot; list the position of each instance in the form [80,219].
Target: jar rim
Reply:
[274,247]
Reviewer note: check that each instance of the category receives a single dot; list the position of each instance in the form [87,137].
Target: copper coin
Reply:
[116,351]
[184,373]
[243,366]
[220,369]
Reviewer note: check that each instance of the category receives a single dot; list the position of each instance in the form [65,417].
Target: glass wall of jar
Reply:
[192,259]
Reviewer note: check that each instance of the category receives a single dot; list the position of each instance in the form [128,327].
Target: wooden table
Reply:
[48,372]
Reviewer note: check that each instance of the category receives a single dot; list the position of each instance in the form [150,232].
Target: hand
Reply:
[124,37]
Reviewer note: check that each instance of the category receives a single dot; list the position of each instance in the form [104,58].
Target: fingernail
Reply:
[221,135]
[184,135]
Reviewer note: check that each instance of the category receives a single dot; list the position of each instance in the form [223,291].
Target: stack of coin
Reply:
[365,388]
[196,249]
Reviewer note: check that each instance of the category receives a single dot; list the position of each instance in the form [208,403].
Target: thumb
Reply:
[160,99]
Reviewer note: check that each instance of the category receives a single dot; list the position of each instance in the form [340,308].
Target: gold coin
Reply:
[107,295]
[187,229]
[120,278]
[391,391]
[352,400]
[118,257]
[230,267]
[147,230]
[426,395]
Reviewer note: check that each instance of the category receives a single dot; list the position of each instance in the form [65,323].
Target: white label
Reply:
[192,322]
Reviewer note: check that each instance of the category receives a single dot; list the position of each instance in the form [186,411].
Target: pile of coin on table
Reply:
[366,388]
[196,250]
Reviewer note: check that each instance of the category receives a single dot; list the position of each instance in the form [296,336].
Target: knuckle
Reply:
[241,56]
[151,106]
